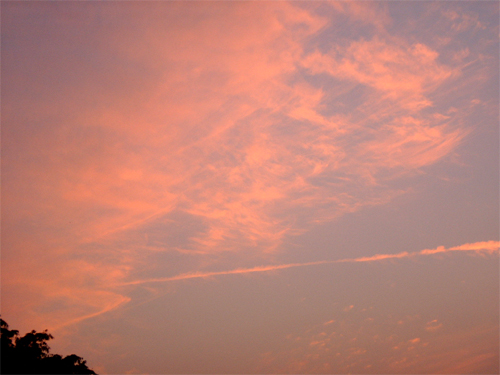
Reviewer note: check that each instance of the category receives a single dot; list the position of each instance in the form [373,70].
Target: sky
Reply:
[253,187]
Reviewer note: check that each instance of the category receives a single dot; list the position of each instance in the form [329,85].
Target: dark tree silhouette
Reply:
[30,354]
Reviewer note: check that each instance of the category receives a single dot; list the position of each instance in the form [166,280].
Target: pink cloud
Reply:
[359,346]
[433,326]
[223,161]
[401,73]
[478,247]
[205,109]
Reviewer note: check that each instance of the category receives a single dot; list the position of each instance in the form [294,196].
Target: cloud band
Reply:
[485,246]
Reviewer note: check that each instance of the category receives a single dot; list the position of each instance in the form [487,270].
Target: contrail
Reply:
[111,307]
[486,246]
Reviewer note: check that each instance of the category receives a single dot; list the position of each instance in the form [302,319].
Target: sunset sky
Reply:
[253,187]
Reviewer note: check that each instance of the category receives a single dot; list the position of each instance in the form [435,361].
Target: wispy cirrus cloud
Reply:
[209,115]
[234,133]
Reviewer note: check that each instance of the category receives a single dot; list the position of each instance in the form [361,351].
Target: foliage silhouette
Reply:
[30,354]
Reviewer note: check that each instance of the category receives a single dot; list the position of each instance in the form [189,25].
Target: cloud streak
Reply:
[478,247]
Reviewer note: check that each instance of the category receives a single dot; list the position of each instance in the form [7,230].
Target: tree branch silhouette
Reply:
[30,354]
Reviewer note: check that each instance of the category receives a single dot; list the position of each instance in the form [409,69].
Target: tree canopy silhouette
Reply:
[30,354]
